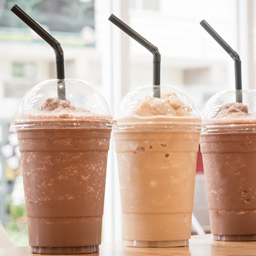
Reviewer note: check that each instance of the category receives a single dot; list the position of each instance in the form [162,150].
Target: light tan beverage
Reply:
[157,163]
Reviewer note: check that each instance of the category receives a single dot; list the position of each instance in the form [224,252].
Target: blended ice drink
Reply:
[64,146]
[156,142]
[228,145]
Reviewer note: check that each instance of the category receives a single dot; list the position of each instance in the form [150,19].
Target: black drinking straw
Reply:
[233,55]
[52,42]
[144,42]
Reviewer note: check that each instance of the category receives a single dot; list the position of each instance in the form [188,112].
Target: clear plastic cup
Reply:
[228,145]
[156,154]
[64,147]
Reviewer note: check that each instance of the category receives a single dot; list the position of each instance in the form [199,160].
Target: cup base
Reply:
[65,250]
[234,237]
[156,244]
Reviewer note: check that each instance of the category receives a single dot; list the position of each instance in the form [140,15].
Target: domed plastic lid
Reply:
[141,107]
[84,107]
[222,111]
[223,106]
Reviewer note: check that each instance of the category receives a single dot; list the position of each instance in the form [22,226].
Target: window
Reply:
[149,5]
[23,70]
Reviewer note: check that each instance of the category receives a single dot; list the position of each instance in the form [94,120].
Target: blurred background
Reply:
[100,54]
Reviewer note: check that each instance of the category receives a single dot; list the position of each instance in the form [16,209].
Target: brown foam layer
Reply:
[55,105]
[232,110]
[233,116]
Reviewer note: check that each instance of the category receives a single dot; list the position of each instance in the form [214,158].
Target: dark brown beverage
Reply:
[229,164]
[64,180]
[228,144]
[64,146]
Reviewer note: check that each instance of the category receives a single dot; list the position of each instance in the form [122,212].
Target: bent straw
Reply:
[233,55]
[144,42]
[61,90]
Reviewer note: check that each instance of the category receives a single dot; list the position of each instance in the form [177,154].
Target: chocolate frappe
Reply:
[228,144]
[64,156]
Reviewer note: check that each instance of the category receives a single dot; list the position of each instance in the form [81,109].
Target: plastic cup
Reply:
[228,145]
[156,157]
[64,156]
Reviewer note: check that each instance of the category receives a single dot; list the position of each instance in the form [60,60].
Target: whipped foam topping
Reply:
[61,108]
[57,105]
[60,113]
[168,105]
[232,110]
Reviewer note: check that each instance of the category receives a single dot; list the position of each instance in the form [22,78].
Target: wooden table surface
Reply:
[199,246]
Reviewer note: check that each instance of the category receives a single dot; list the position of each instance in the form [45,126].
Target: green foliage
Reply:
[16,227]
[27,5]
[17,232]
[17,211]
[58,15]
